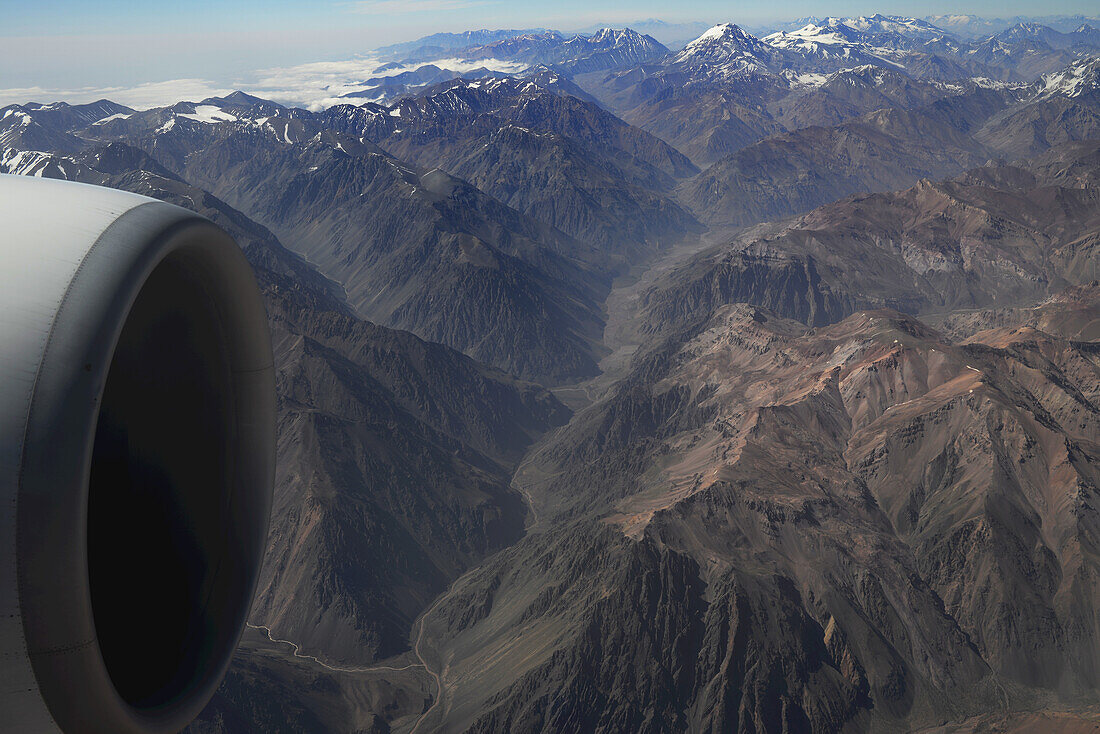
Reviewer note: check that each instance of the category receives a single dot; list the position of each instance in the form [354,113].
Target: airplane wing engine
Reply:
[136,457]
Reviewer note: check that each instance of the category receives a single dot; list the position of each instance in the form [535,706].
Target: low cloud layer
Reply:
[322,84]
[314,85]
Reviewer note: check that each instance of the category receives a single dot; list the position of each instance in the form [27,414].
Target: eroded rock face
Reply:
[1071,314]
[868,525]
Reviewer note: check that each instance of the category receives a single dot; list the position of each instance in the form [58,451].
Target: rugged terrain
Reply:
[768,526]
[997,235]
[822,303]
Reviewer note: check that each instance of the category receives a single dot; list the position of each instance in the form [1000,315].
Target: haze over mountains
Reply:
[751,384]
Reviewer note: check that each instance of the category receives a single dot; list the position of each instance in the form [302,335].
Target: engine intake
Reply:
[136,457]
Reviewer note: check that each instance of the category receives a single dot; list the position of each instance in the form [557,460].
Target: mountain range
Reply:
[748,384]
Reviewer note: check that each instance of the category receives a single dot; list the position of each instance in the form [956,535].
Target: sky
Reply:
[142,53]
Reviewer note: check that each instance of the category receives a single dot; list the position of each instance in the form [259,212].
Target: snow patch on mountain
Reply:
[116,116]
[912,28]
[1079,78]
[24,162]
[806,80]
[835,44]
[867,74]
[208,114]
[818,40]
[877,39]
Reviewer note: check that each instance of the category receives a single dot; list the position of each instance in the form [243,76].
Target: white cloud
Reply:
[315,85]
[142,96]
[159,94]
[407,7]
[321,84]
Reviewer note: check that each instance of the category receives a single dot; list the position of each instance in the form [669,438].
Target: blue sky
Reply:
[49,45]
[379,19]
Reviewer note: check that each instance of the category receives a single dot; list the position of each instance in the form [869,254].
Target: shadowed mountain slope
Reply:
[394,455]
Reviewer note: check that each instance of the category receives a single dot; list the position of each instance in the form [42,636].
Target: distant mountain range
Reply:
[791,55]
[444,41]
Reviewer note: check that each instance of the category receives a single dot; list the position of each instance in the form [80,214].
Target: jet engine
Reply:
[136,457]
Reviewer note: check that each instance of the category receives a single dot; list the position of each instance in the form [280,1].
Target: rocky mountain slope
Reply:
[996,235]
[793,172]
[536,146]
[1072,314]
[796,529]
[509,290]
[1066,108]
[894,146]
[422,250]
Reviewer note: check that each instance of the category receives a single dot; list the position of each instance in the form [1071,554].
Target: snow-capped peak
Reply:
[726,51]
[723,42]
[1027,32]
[1028,27]
[832,41]
[614,35]
[607,34]
[722,33]
[623,38]
[875,34]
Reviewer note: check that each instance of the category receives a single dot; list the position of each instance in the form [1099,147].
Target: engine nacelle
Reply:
[137,417]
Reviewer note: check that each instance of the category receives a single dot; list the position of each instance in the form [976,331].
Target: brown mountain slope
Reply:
[798,529]
[1072,314]
[394,477]
[998,235]
[1037,126]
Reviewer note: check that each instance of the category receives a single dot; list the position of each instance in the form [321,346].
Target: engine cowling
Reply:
[136,457]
